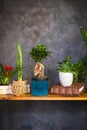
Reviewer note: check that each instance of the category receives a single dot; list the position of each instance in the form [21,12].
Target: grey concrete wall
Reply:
[55,23]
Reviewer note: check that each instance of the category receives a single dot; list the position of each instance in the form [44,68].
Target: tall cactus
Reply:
[19,61]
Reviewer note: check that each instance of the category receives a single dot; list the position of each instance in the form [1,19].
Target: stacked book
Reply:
[75,89]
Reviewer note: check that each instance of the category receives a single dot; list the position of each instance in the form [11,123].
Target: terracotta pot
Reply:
[19,87]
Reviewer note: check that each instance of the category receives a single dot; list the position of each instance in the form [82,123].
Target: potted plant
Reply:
[80,70]
[75,71]
[19,86]
[6,74]
[65,72]
[40,81]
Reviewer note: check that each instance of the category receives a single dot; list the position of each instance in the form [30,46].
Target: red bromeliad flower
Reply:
[8,68]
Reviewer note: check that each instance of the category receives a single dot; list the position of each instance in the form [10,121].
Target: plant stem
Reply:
[19,61]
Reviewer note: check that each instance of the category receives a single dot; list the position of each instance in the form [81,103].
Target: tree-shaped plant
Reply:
[39,53]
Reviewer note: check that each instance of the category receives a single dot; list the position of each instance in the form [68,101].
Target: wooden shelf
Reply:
[51,97]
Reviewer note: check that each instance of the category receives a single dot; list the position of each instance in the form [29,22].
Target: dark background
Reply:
[55,23]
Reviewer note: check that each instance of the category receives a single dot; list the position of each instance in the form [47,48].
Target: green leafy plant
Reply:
[19,61]
[40,52]
[78,69]
[83,31]
[65,65]
[6,73]
[82,69]
[75,68]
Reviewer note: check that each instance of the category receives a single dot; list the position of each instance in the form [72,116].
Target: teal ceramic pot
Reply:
[39,87]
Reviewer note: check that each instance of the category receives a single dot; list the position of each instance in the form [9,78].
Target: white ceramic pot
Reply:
[5,89]
[66,78]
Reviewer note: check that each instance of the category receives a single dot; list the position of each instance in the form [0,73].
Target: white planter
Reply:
[7,89]
[66,79]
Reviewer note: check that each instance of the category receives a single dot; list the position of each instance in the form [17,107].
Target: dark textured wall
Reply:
[54,23]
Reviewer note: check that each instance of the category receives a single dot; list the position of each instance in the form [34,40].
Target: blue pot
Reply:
[39,87]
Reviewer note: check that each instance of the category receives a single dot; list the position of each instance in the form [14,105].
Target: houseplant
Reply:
[40,81]
[6,74]
[80,70]
[83,31]
[65,72]
[77,70]
[19,86]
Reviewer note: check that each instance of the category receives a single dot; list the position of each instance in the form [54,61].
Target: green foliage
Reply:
[19,61]
[65,65]
[7,72]
[83,31]
[40,52]
[82,69]
[78,69]
[6,75]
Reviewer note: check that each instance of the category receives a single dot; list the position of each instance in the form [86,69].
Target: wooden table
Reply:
[51,97]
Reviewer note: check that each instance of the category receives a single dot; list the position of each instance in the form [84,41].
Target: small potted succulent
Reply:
[40,81]
[6,74]
[65,72]
[19,86]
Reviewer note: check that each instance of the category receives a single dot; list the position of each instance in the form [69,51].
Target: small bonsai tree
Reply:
[39,53]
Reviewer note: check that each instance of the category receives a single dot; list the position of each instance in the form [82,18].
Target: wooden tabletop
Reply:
[51,97]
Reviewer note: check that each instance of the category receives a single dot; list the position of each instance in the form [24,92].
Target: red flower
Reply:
[8,68]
